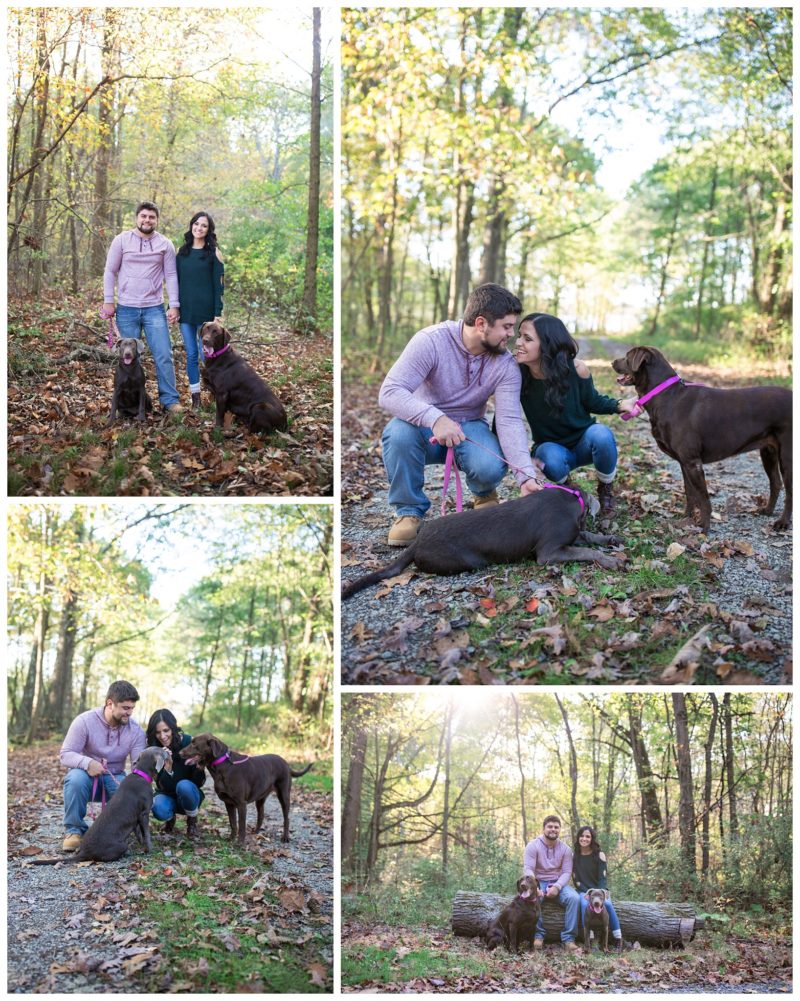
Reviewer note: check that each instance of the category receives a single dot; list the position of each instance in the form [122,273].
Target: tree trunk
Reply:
[248,646]
[312,233]
[101,218]
[708,780]
[646,922]
[712,198]
[523,811]
[665,265]
[683,756]
[652,822]
[729,763]
[573,768]
[351,809]
[448,737]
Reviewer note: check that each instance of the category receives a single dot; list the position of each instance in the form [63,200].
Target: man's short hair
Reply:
[552,819]
[150,206]
[121,691]
[492,302]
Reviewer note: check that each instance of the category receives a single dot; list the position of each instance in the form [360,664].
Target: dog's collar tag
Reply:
[221,351]
[142,775]
[567,490]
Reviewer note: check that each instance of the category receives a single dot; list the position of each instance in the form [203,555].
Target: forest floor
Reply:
[399,960]
[204,917]
[60,378]
[686,608]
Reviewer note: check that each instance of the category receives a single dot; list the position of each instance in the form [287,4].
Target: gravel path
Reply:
[396,636]
[61,942]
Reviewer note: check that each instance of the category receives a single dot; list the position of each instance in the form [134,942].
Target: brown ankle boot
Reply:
[195,401]
[169,826]
[606,497]
[191,827]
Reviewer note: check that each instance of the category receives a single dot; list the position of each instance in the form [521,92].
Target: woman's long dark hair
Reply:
[594,847]
[211,236]
[558,350]
[164,716]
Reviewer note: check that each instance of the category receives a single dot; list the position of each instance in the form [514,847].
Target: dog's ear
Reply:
[638,357]
[216,747]
[586,895]
[226,337]
[520,884]
[592,503]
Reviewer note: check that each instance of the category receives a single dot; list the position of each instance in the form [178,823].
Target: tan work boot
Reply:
[72,843]
[572,947]
[404,530]
[538,944]
[174,408]
[489,500]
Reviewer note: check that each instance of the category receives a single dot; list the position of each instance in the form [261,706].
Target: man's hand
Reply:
[95,769]
[447,432]
[107,310]
[530,487]
[552,891]
[172,315]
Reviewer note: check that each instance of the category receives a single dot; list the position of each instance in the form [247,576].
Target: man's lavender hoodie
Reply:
[90,738]
[548,865]
[436,375]
[139,266]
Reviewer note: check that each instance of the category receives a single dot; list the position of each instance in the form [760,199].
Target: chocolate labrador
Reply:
[516,923]
[128,811]
[595,919]
[240,779]
[130,393]
[699,424]
[543,525]
[236,385]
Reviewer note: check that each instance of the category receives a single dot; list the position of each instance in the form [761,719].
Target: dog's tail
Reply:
[296,775]
[373,578]
[268,415]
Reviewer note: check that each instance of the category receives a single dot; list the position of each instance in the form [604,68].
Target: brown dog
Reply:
[543,525]
[698,424]
[128,811]
[595,919]
[130,393]
[516,923]
[240,779]
[236,385]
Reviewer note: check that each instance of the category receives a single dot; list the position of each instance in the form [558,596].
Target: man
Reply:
[139,262]
[94,750]
[439,387]
[550,862]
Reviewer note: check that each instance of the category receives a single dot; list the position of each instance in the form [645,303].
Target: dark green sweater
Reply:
[180,770]
[200,286]
[581,401]
[589,872]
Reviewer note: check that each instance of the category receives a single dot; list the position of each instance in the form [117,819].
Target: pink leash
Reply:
[654,392]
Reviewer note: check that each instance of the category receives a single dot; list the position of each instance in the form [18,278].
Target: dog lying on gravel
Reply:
[542,525]
[128,811]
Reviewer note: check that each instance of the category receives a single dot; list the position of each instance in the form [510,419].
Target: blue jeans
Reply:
[613,920]
[194,352]
[77,794]
[407,451]
[570,901]
[597,447]
[131,321]
[187,801]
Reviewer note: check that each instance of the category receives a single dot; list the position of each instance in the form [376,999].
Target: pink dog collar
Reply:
[216,354]
[568,490]
[142,775]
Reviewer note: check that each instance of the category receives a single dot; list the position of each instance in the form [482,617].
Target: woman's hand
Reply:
[630,406]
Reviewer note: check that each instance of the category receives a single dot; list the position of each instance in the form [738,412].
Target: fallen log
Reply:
[651,923]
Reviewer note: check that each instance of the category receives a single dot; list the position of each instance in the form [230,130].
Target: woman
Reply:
[200,277]
[179,792]
[558,398]
[589,872]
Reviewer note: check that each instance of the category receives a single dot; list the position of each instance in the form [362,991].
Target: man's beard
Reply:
[493,349]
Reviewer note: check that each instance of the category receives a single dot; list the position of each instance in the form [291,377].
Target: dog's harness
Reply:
[655,391]
[227,757]
[216,354]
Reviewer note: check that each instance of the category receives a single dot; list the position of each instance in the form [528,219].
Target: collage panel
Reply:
[171,733]
[566,281]
[170,252]
[604,843]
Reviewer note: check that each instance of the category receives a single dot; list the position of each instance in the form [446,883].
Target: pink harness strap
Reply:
[567,490]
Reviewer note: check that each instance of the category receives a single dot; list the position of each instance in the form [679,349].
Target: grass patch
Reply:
[372,963]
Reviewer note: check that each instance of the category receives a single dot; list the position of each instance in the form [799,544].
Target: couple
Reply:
[94,752]
[552,863]
[140,262]
[439,387]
